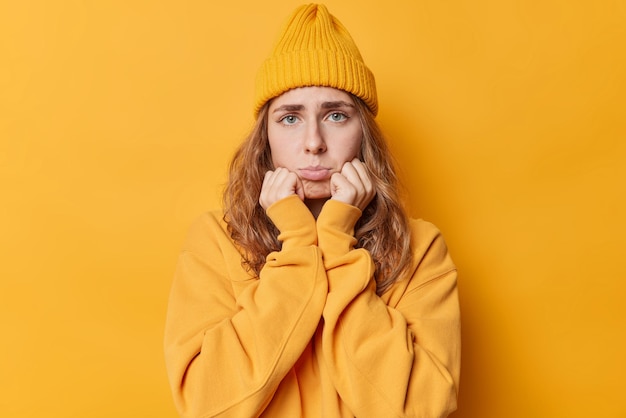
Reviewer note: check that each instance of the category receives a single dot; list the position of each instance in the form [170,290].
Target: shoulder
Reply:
[431,257]
[425,237]
[206,231]
[209,244]
[431,261]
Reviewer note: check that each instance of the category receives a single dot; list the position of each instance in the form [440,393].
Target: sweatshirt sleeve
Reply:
[226,352]
[392,361]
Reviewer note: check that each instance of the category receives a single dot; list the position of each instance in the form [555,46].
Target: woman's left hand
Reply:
[353,185]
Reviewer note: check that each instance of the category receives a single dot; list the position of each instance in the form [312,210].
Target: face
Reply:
[312,132]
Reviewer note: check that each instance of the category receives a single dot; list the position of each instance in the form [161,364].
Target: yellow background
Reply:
[117,119]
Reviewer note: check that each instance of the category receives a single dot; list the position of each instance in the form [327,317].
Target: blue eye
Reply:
[289,119]
[337,117]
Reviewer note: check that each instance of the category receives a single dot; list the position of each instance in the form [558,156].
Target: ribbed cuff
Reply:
[335,228]
[294,221]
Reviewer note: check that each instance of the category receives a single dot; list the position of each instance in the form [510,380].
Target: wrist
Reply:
[294,221]
[335,228]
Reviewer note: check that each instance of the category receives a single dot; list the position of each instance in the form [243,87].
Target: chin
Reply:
[316,190]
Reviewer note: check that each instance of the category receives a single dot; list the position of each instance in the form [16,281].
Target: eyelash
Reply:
[284,118]
[329,116]
[343,116]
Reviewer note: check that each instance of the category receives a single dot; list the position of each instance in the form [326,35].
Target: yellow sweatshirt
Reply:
[310,337]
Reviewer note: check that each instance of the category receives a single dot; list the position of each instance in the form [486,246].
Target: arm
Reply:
[227,352]
[389,361]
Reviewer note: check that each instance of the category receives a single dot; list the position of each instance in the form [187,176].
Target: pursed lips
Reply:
[314,173]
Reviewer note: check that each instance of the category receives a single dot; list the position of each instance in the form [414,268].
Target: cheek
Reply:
[355,146]
[279,152]
[274,145]
[276,157]
[347,150]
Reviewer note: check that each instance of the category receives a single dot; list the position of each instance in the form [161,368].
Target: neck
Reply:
[315,205]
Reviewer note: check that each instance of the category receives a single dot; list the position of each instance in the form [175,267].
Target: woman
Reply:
[312,294]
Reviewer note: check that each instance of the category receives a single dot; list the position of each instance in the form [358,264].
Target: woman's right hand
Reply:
[279,184]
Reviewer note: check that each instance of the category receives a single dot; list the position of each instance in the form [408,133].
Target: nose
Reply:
[314,142]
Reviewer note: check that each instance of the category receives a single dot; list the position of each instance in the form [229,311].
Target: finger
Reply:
[271,183]
[362,171]
[265,186]
[357,174]
[299,188]
[277,185]
[349,171]
[287,183]
[277,179]
[267,179]
[364,175]
[267,189]
[342,189]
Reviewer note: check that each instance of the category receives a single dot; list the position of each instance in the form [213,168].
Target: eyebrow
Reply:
[338,103]
[325,105]
[289,108]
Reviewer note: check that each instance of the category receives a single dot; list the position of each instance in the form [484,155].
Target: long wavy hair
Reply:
[383,228]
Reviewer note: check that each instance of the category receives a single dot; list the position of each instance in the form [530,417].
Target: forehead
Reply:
[311,96]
